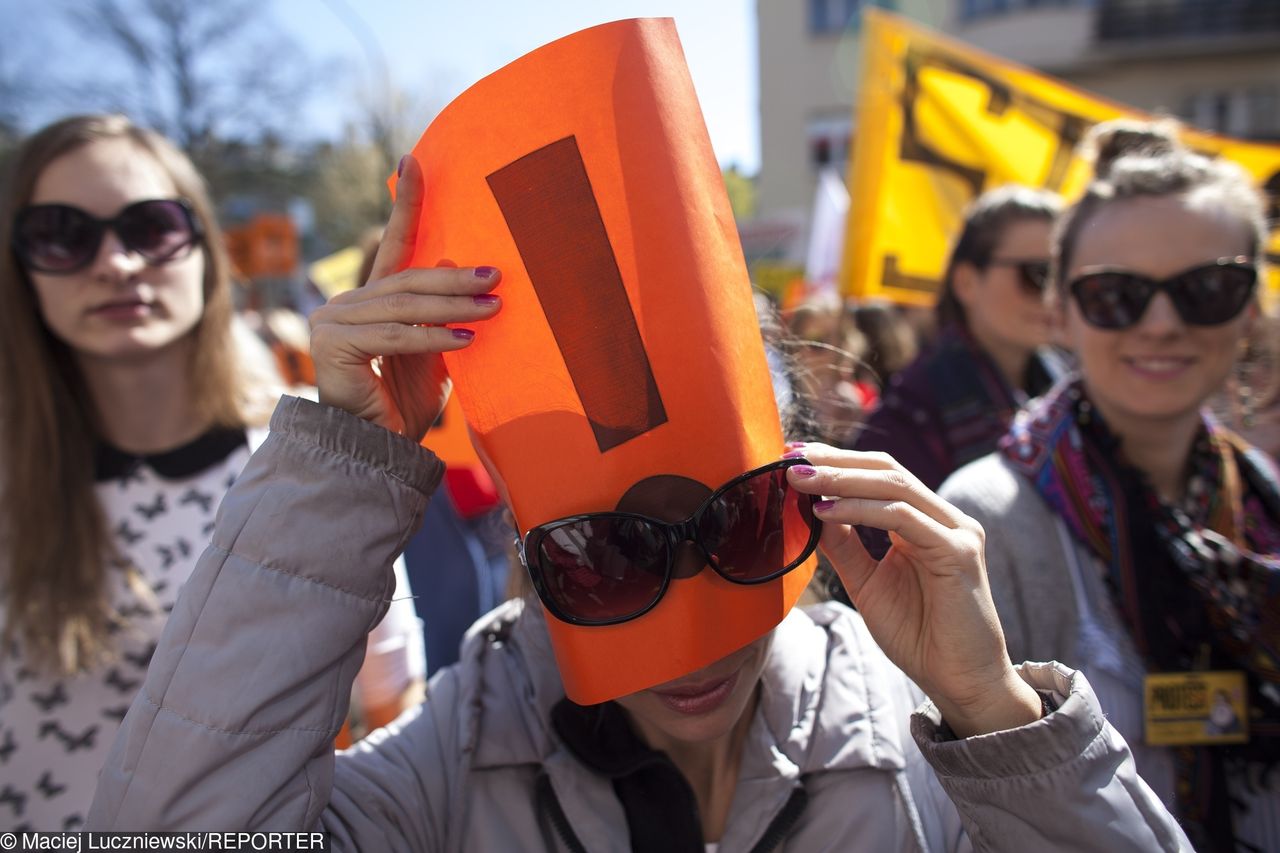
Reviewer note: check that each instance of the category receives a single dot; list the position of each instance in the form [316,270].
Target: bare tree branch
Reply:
[202,72]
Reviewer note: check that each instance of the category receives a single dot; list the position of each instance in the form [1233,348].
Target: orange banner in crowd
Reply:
[264,247]
[939,122]
[627,354]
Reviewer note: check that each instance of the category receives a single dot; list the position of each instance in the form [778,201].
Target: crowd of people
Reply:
[1060,472]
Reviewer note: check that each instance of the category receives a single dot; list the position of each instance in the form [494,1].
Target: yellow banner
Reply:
[335,273]
[939,122]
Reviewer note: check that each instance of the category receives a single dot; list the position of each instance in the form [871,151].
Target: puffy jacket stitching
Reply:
[293,730]
[902,783]
[271,567]
[860,661]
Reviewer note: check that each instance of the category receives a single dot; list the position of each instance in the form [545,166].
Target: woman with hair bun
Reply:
[1127,531]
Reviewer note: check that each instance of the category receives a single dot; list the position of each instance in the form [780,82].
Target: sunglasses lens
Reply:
[759,528]
[158,230]
[603,569]
[1213,295]
[56,238]
[1111,300]
[1035,276]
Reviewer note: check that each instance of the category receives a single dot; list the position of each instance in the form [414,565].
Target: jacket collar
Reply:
[826,702]
[826,699]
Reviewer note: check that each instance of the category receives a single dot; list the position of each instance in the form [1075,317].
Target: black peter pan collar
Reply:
[112,463]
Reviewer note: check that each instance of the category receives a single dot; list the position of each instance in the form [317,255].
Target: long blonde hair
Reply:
[56,549]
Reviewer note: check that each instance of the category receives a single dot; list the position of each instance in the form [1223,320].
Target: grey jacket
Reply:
[1050,593]
[234,725]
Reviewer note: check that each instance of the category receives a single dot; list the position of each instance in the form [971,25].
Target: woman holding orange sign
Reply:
[799,735]
[663,693]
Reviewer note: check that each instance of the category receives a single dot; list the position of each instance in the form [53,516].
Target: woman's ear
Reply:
[1252,315]
[965,279]
[1252,331]
[1057,318]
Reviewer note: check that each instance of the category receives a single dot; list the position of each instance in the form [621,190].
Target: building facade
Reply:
[1213,63]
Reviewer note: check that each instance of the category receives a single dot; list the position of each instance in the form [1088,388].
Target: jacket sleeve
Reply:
[234,725]
[1065,782]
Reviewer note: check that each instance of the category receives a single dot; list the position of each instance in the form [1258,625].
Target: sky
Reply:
[446,45]
[434,49]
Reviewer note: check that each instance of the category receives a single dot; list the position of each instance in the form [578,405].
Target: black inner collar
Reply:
[111,463]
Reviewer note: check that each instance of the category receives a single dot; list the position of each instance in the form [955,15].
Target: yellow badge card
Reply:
[1201,708]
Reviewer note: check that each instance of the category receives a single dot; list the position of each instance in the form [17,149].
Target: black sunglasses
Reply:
[59,239]
[1033,275]
[602,568]
[1207,295]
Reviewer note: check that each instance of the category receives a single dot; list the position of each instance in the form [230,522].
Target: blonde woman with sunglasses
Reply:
[1128,532]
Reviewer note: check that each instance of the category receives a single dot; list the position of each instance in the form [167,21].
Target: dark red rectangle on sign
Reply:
[551,211]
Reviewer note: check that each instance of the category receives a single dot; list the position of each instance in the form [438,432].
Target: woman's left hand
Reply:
[927,603]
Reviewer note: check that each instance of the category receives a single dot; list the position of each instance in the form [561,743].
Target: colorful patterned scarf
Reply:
[1197,584]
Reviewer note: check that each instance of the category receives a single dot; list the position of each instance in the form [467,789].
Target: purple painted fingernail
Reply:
[795,444]
[823,506]
[485,299]
[400,168]
[804,470]
[793,454]
[485,272]
[463,334]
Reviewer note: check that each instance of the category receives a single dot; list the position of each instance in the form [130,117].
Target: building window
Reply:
[835,16]
[1264,112]
[972,10]
[1252,113]
[1128,20]
[829,141]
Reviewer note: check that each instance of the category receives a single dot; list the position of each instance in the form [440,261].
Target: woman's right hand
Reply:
[397,320]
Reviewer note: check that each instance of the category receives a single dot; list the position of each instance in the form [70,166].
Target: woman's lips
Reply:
[127,310]
[1159,367]
[697,699]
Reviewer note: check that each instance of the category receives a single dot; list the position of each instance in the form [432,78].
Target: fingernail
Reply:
[485,299]
[485,272]
[793,454]
[463,334]
[400,168]
[804,470]
[823,506]
[795,444]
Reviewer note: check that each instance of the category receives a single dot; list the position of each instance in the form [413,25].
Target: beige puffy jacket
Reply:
[234,724]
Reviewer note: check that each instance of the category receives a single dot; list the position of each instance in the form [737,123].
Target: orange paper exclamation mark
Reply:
[551,211]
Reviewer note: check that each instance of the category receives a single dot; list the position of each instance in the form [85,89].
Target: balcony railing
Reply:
[1151,20]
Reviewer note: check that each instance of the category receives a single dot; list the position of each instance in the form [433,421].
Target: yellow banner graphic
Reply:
[939,122]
